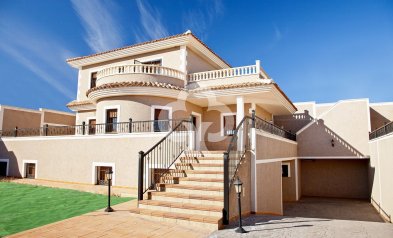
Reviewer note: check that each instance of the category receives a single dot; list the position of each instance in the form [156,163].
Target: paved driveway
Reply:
[315,217]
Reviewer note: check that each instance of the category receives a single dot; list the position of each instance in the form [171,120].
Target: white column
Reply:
[258,66]
[239,109]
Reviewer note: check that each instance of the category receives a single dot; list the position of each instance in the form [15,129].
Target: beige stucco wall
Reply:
[139,108]
[340,178]
[245,176]
[346,123]
[295,122]
[270,146]
[306,106]
[380,172]
[271,188]
[289,183]
[380,114]
[20,118]
[71,158]
[269,192]
[58,118]
[85,116]
[170,58]
[196,63]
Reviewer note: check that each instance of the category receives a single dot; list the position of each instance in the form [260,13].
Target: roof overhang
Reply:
[186,39]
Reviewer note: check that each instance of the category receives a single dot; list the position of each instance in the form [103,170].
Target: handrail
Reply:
[223,73]
[273,129]
[92,129]
[140,69]
[161,156]
[238,146]
[381,131]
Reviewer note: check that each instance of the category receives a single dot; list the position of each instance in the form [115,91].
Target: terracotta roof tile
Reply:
[148,42]
[79,103]
[230,86]
[134,84]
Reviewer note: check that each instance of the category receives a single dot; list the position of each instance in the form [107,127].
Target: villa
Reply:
[177,123]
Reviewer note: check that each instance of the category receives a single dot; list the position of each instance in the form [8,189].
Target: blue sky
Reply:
[320,51]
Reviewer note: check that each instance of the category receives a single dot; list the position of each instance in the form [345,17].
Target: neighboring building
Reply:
[12,117]
[183,105]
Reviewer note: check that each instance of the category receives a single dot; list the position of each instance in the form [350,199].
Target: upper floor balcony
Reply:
[160,74]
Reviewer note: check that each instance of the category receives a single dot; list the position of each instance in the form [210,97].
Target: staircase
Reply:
[190,194]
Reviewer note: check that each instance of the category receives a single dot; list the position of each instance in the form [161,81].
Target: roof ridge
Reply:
[128,46]
[149,42]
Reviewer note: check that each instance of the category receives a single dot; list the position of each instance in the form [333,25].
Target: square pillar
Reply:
[239,109]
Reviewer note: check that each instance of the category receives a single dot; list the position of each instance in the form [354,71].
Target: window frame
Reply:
[289,169]
[222,121]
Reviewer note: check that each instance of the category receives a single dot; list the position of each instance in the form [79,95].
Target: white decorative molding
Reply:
[24,162]
[98,164]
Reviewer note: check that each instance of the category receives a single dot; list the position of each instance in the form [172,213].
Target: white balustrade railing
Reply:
[141,69]
[223,73]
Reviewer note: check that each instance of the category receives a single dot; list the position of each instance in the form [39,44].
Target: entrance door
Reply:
[30,170]
[92,126]
[3,169]
[161,120]
[102,178]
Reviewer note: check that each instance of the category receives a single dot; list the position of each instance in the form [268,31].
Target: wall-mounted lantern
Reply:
[332,142]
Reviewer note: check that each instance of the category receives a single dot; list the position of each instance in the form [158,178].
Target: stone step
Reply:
[204,174]
[186,198]
[200,181]
[203,160]
[208,222]
[205,154]
[184,208]
[197,166]
[192,189]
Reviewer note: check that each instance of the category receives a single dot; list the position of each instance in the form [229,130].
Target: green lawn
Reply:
[23,207]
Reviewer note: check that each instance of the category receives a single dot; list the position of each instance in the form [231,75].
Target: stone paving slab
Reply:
[299,227]
[116,224]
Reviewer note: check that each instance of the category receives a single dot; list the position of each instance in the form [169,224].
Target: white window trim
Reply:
[200,123]
[30,162]
[289,168]
[223,114]
[90,73]
[153,107]
[8,165]
[94,171]
[106,108]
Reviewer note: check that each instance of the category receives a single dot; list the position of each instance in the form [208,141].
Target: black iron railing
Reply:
[91,129]
[384,130]
[273,129]
[157,160]
[237,148]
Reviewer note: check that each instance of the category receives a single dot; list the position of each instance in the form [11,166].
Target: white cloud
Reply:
[37,53]
[152,25]
[102,31]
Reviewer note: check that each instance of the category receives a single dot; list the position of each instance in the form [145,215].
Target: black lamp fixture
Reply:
[332,142]
[109,177]
[239,187]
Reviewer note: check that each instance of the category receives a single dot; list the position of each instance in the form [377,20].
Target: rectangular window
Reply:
[30,170]
[111,120]
[285,170]
[102,177]
[92,126]
[161,120]
[93,79]
[229,126]
[153,62]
